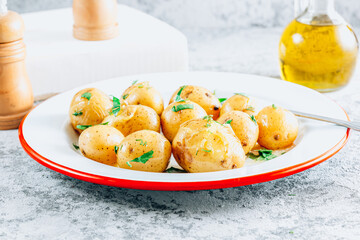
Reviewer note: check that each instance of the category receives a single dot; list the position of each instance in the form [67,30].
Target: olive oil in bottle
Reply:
[318,49]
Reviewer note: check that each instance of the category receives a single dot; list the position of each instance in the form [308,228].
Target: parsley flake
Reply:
[253,119]
[141,86]
[134,82]
[174,170]
[77,113]
[222,100]
[83,127]
[178,98]
[214,92]
[142,143]
[273,106]
[264,155]
[125,96]
[76,146]
[250,108]
[116,106]
[142,159]
[86,95]
[182,107]
[205,150]
[228,121]
[116,149]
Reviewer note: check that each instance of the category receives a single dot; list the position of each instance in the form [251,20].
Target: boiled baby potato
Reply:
[144,151]
[278,127]
[143,94]
[244,126]
[89,107]
[100,143]
[204,145]
[134,118]
[238,102]
[177,113]
[202,96]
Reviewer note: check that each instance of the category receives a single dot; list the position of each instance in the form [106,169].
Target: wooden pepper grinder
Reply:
[95,20]
[16,97]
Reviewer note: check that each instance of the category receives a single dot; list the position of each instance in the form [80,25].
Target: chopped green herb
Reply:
[222,99]
[121,146]
[175,170]
[141,86]
[116,106]
[86,95]
[291,232]
[178,98]
[142,143]
[142,159]
[253,119]
[273,106]
[242,94]
[134,82]
[83,127]
[214,92]
[125,96]
[197,152]
[229,121]
[291,195]
[208,118]
[77,113]
[205,150]
[116,149]
[264,155]
[75,146]
[182,107]
[250,108]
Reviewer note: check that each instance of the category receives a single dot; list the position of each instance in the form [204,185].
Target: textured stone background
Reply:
[208,13]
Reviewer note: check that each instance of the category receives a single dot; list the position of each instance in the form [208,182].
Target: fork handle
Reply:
[348,124]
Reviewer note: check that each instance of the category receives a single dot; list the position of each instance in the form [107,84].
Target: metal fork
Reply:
[348,124]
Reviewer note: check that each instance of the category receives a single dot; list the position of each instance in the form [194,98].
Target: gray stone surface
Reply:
[320,203]
[210,13]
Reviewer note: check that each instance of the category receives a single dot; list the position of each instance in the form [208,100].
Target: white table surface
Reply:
[320,203]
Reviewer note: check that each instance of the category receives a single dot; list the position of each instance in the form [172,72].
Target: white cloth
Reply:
[56,61]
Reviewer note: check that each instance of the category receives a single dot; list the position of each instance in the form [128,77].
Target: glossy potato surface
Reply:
[203,145]
[89,112]
[244,127]
[134,118]
[143,94]
[278,127]
[98,143]
[172,119]
[142,142]
[202,96]
[238,102]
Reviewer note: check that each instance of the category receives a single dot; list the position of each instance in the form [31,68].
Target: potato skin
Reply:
[143,94]
[98,143]
[134,118]
[93,111]
[244,127]
[238,102]
[201,96]
[171,121]
[205,146]
[278,127]
[131,147]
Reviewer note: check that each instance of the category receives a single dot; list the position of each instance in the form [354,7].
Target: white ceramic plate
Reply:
[47,137]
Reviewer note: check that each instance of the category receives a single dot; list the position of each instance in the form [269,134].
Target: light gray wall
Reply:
[185,14]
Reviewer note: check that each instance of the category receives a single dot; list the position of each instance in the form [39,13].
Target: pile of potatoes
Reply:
[203,134]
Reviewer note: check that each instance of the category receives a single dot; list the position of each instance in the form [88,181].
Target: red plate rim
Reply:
[181,186]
